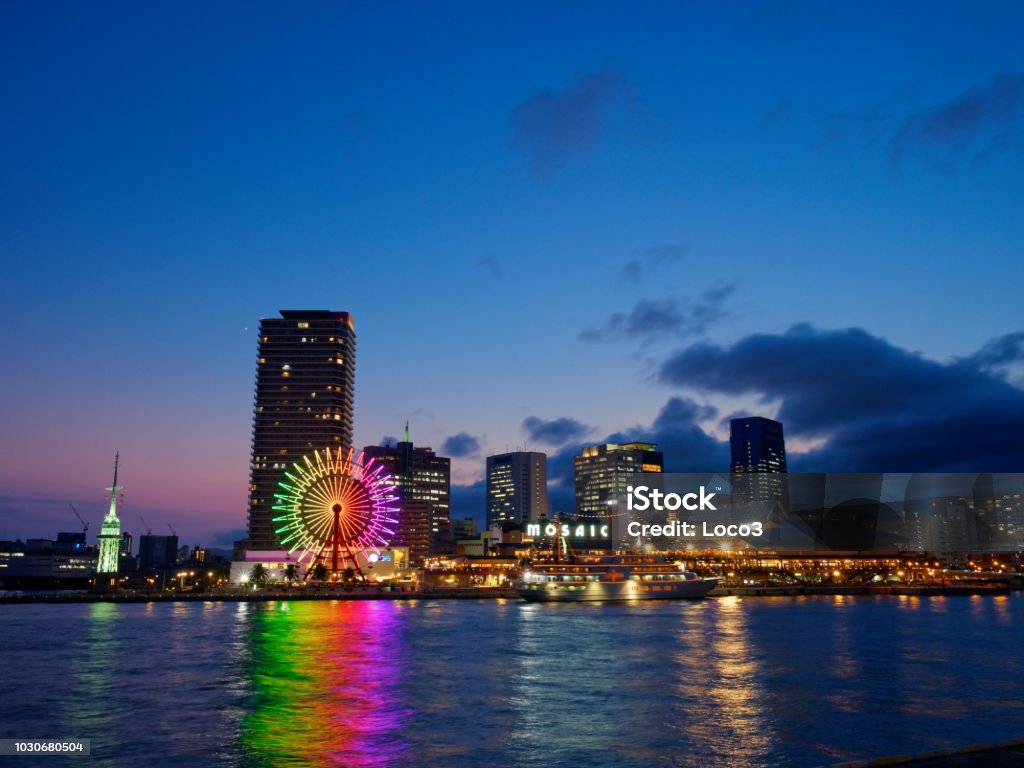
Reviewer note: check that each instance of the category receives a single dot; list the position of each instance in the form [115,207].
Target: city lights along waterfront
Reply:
[831,617]
[394,684]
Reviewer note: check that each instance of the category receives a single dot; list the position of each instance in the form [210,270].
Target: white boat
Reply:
[612,577]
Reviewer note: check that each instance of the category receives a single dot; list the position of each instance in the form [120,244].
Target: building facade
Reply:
[757,460]
[157,551]
[602,475]
[422,482]
[517,487]
[305,393]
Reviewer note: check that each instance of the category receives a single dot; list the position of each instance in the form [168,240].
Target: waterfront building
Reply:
[110,538]
[758,460]
[305,389]
[66,563]
[157,551]
[464,529]
[602,474]
[517,487]
[422,483]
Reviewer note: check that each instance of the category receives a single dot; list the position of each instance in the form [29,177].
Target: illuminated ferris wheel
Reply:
[337,508]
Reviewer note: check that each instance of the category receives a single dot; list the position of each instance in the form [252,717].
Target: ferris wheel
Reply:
[337,508]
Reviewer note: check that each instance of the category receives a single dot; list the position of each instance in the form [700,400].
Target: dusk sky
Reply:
[552,223]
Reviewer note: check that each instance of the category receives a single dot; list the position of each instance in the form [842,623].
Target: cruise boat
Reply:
[612,577]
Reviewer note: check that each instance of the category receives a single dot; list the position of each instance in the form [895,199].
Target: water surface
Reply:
[364,684]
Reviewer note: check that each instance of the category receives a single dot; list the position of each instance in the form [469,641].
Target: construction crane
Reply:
[173,532]
[85,525]
[149,530]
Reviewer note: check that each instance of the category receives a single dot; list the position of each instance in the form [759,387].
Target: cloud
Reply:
[460,445]
[635,268]
[491,265]
[552,126]
[556,431]
[228,538]
[387,440]
[677,433]
[1000,351]
[469,501]
[1003,356]
[877,406]
[651,318]
[976,120]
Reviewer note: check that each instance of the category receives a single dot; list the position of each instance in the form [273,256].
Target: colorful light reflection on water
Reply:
[324,686]
[738,683]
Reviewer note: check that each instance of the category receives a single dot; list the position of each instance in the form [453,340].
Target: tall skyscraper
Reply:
[422,483]
[758,452]
[305,391]
[110,535]
[602,475]
[517,487]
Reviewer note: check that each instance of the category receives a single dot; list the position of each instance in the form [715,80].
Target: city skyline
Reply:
[571,229]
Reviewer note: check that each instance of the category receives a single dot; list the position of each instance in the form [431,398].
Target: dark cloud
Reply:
[1003,356]
[556,431]
[460,445]
[651,318]
[491,265]
[677,433]
[879,407]
[387,440]
[469,501]
[635,268]
[228,538]
[974,122]
[552,126]
[1000,351]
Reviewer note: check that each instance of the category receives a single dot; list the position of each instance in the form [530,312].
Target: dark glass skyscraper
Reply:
[305,391]
[758,451]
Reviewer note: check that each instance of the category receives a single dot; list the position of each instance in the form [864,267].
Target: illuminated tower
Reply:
[305,385]
[110,533]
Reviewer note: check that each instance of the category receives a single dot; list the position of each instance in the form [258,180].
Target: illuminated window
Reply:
[303,325]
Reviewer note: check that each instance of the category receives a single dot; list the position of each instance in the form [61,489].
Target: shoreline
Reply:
[928,590]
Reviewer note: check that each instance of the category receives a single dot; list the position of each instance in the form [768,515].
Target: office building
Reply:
[517,487]
[422,482]
[464,528]
[305,384]
[758,460]
[157,551]
[602,474]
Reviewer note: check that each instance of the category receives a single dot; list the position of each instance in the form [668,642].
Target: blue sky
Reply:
[532,211]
